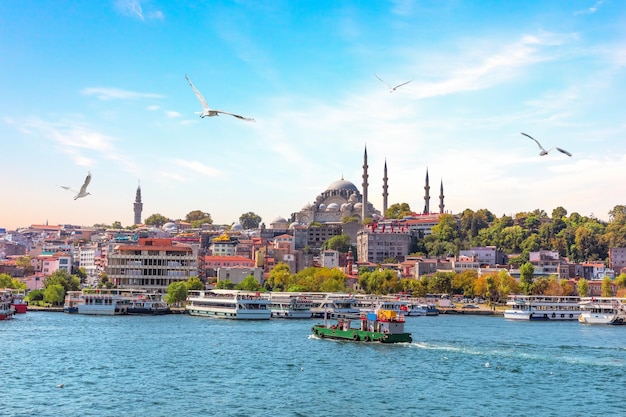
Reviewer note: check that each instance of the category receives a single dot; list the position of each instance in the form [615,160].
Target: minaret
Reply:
[364,202]
[427,195]
[385,187]
[138,206]
[441,206]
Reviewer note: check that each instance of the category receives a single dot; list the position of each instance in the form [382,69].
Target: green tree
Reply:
[583,287]
[7,281]
[224,284]
[117,225]
[67,281]
[194,284]
[35,295]
[250,220]
[54,294]
[526,276]
[398,211]
[249,283]
[340,243]
[607,287]
[197,218]
[156,220]
[279,277]
[24,262]
[176,293]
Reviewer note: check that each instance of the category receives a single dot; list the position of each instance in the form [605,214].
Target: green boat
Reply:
[383,326]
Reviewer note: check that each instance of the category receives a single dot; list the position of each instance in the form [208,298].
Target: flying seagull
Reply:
[209,112]
[391,89]
[83,189]
[543,151]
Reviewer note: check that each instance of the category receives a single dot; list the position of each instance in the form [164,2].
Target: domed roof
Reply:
[358,206]
[342,185]
[307,206]
[279,220]
[169,225]
[236,226]
[332,207]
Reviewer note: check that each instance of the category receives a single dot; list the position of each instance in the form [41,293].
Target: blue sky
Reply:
[100,87]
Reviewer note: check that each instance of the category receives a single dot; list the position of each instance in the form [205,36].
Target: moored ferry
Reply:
[229,304]
[71,302]
[383,326]
[145,303]
[602,310]
[542,307]
[332,304]
[19,303]
[6,305]
[102,303]
[290,306]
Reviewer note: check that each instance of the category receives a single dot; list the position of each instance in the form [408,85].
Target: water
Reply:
[177,365]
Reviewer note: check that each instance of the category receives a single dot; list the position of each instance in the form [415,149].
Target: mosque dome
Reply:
[294,225]
[307,206]
[279,220]
[169,226]
[236,226]
[322,206]
[342,185]
[332,207]
[358,206]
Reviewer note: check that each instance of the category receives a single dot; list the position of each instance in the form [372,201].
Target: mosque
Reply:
[343,199]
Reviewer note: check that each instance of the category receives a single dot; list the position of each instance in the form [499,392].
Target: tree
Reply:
[54,294]
[607,287]
[398,211]
[526,276]
[197,218]
[156,220]
[67,281]
[194,284]
[279,277]
[250,220]
[176,293]
[340,243]
[224,284]
[583,287]
[7,281]
[249,283]
[116,225]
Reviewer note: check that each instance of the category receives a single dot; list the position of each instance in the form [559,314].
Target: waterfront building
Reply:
[236,274]
[484,255]
[375,246]
[152,264]
[617,259]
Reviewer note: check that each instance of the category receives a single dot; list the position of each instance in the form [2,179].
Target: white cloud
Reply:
[172,114]
[116,93]
[590,10]
[135,9]
[197,167]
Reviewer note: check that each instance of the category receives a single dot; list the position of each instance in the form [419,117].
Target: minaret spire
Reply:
[441,205]
[427,195]
[385,187]
[365,184]
[138,205]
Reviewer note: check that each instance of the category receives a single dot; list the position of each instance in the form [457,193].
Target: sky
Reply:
[100,87]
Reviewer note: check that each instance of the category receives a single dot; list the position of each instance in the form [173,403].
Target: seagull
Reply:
[209,112]
[83,189]
[60,385]
[545,152]
[391,89]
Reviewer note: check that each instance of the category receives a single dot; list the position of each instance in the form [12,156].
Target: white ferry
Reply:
[332,305]
[103,303]
[229,304]
[145,303]
[72,300]
[602,310]
[542,307]
[290,306]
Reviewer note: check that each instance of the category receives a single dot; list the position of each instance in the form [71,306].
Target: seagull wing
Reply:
[538,144]
[381,80]
[83,188]
[400,85]
[68,188]
[563,151]
[248,119]
[200,97]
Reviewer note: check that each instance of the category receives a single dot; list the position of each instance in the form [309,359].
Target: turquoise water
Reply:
[177,365]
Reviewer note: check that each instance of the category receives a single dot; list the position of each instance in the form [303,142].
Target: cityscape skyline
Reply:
[102,89]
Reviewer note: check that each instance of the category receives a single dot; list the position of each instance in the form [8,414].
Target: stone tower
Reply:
[365,184]
[441,206]
[385,187]
[427,195]
[138,206]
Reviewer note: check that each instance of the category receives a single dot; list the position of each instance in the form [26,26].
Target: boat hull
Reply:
[357,335]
